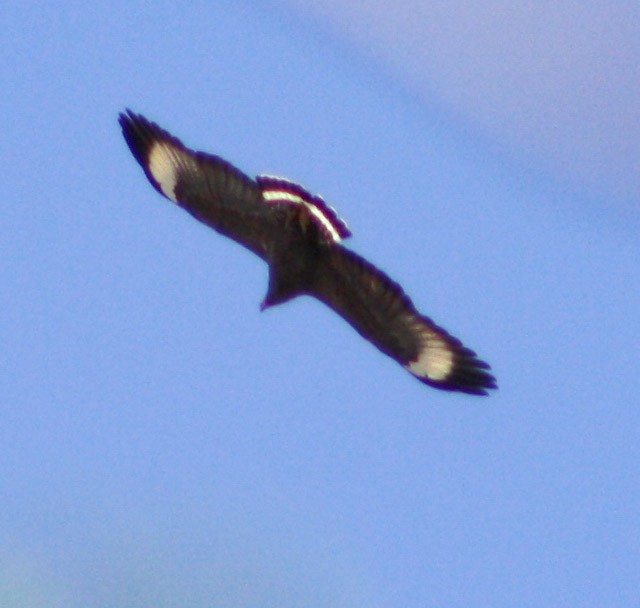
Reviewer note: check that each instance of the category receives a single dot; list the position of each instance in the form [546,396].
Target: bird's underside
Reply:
[299,236]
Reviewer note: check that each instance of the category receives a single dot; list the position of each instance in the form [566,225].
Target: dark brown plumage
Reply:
[299,236]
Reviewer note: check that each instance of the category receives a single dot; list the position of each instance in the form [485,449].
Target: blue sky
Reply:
[164,443]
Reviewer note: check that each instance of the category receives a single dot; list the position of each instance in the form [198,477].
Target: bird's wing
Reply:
[208,187]
[381,312]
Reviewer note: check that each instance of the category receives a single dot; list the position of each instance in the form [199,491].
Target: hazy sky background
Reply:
[553,84]
[163,443]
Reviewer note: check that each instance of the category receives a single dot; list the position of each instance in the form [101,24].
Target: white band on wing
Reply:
[280,190]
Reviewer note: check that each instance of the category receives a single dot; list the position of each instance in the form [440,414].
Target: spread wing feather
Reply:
[205,185]
[382,313]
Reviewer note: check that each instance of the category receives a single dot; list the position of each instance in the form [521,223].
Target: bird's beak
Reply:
[264,305]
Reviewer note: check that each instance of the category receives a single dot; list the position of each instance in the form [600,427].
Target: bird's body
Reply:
[299,237]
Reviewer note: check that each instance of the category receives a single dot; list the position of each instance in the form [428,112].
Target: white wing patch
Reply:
[165,163]
[435,360]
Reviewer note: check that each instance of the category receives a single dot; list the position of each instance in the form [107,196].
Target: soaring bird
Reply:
[299,236]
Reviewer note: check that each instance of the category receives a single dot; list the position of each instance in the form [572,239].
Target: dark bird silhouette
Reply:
[299,235]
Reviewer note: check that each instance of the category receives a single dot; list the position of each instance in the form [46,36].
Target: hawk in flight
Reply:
[299,236]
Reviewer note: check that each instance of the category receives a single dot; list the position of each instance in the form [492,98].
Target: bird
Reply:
[300,237]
